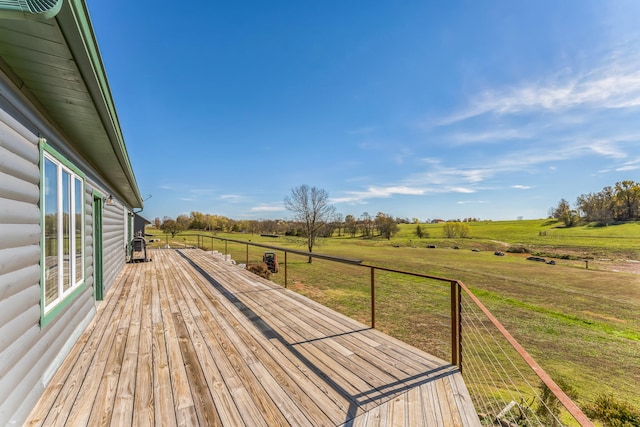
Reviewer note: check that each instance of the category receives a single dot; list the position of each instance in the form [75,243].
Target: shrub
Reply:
[260,270]
[613,412]
[453,229]
[548,408]
[518,250]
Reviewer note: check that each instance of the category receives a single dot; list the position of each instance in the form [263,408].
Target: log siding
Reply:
[30,351]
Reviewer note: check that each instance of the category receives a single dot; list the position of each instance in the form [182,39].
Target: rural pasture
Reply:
[581,324]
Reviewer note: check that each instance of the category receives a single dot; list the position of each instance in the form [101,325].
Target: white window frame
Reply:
[76,255]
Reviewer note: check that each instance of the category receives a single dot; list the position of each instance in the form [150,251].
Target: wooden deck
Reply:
[189,339]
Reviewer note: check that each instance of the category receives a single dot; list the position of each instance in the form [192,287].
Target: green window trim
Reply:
[98,266]
[76,287]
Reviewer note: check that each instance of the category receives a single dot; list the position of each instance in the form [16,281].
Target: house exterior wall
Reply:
[31,350]
[114,231]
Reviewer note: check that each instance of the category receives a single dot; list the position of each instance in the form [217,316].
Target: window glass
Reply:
[66,231]
[51,231]
[79,232]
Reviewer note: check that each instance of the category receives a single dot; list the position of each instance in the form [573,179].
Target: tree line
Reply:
[365,225]
[313,217]
[620,203]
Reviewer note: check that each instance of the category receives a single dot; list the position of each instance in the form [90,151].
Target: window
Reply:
[63,232]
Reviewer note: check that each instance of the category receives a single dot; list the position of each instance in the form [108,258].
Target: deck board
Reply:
[190,339]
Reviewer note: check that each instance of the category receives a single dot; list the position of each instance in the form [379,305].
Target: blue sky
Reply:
[418,109]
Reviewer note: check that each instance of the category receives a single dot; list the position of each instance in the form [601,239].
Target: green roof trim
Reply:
[89,47]
[77,99]
[29,9]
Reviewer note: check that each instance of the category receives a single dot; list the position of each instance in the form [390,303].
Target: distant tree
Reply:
[218,223]
[184,221]
[387,226]
[366,223]
[597,207]
[420,232]
[350,225]
[561,209]
[627,194]
[157,223]
[564,213]
[198,221]
[328,229]
[171,226]
[311,207]
[338,220]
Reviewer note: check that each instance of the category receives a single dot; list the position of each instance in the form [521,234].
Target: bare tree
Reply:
[310,206]
[367,224]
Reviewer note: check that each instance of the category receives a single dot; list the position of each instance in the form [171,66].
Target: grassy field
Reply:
[582,325]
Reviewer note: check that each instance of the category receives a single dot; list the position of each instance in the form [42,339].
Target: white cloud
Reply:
[613,85]
[489,136]
[384,192]
[468,202]
[627,168]
[521,187]
[606,148]
[461,190]
[273,207]
[232,198]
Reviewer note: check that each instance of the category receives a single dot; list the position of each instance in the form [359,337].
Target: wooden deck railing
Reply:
[458,291]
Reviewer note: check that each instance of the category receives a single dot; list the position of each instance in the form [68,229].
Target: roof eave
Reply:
[76,25]
[104,150]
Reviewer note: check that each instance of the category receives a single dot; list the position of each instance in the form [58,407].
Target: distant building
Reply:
[67,192]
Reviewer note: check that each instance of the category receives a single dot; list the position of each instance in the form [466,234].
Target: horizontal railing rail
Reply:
[525,407]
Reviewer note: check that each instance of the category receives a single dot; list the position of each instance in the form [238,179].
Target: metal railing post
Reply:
[285,269]
[456,325]
[373,298]
[247,264]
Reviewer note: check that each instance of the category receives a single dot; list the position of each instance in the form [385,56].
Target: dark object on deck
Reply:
[536,258]
[139,249]
[271,259]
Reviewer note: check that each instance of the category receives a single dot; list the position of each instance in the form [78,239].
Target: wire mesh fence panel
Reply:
[505,390]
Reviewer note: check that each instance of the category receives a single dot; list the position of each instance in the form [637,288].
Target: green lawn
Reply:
[582,325]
